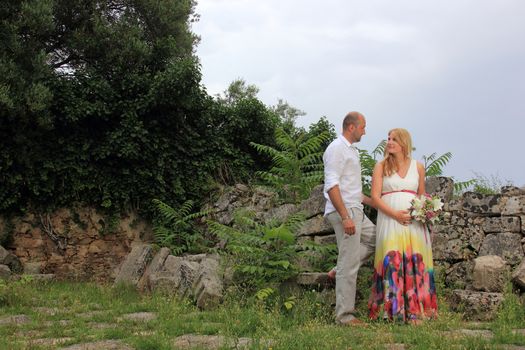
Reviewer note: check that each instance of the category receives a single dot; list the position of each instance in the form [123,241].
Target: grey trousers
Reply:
[353,250]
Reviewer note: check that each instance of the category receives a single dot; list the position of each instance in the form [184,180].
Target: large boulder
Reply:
[512,190]
[133,267]
[4,232]
[316,226]
[459,275]
[490,274]
[280,213]
[313,279]
[486,204]
[11,260]
[454,205]
[5,271]
[518,276]
[315,204]
[505,244]
[208,287]
[240,196]
[154,266]
[476,306]
[502,224]
[441,186]
[454,242]
[176,276]
[513,205]
[198,276]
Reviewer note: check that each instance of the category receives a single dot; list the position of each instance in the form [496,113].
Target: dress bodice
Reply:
[395,182]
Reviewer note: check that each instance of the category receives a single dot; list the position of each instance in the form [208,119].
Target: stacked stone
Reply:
[71,243]
[480,244]
[263,203]
[9,263]
[196,276]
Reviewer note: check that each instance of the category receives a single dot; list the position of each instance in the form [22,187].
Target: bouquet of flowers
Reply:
[426,209]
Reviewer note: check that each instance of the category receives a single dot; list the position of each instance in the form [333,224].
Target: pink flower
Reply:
[426,209]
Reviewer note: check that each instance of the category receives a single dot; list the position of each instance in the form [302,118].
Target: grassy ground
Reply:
[59,314]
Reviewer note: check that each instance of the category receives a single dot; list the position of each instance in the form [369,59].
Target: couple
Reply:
[403,283]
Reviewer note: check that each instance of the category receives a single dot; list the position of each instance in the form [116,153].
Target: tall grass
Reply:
[85,312]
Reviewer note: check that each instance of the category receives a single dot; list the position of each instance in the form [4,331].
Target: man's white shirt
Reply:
[342,167]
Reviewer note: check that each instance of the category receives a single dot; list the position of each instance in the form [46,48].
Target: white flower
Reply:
[437,204]
[417,203]
[426,209]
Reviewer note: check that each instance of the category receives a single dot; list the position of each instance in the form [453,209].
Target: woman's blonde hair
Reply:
[402,137]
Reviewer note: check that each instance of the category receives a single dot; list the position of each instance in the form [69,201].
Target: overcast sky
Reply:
[452,72]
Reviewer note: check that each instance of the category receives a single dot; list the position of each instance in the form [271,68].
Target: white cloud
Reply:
[452,72]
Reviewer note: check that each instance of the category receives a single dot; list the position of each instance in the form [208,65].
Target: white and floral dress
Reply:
[403,282]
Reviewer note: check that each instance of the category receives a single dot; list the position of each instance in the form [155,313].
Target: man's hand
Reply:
[349,226]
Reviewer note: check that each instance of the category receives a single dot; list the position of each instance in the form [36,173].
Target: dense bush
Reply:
[101,102]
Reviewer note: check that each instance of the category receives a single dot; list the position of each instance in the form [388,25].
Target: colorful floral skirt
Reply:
[403,286]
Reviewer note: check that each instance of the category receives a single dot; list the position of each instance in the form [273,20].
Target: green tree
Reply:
[288,116]
[323,126]
[237,90]
[101,102]
[241,118]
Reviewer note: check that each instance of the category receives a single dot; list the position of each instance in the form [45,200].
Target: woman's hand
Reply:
[403,217]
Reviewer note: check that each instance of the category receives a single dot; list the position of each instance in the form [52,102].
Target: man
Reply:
[355,233]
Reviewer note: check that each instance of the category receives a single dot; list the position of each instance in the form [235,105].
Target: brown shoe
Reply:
[415,322]
[331,275]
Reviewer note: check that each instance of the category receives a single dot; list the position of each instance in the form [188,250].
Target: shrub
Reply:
[262,254]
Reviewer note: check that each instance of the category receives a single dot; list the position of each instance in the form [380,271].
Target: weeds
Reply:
[84,312]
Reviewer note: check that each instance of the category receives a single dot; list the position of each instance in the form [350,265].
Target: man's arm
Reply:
[367,201]
[337,200]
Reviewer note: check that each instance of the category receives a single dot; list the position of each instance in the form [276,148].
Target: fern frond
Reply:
[290,303]
[161,235]
[198,214]
[285,264]
[283,159]
[267,150]
[269,177]
[252,269]
[380,149]
[222,231]
[429,159]
[463,185]
[177,250]
[295,221]
[167,212]
[264,293]
[314,177]
[281,232]
[436,165]
[312,145]
[246,250]
[185,208]
[314,167]
[312,158]
[284,141]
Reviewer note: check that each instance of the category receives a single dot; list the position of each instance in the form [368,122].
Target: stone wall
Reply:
[479,246]
[77,243]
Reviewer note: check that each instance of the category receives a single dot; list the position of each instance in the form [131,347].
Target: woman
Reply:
[403,286]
